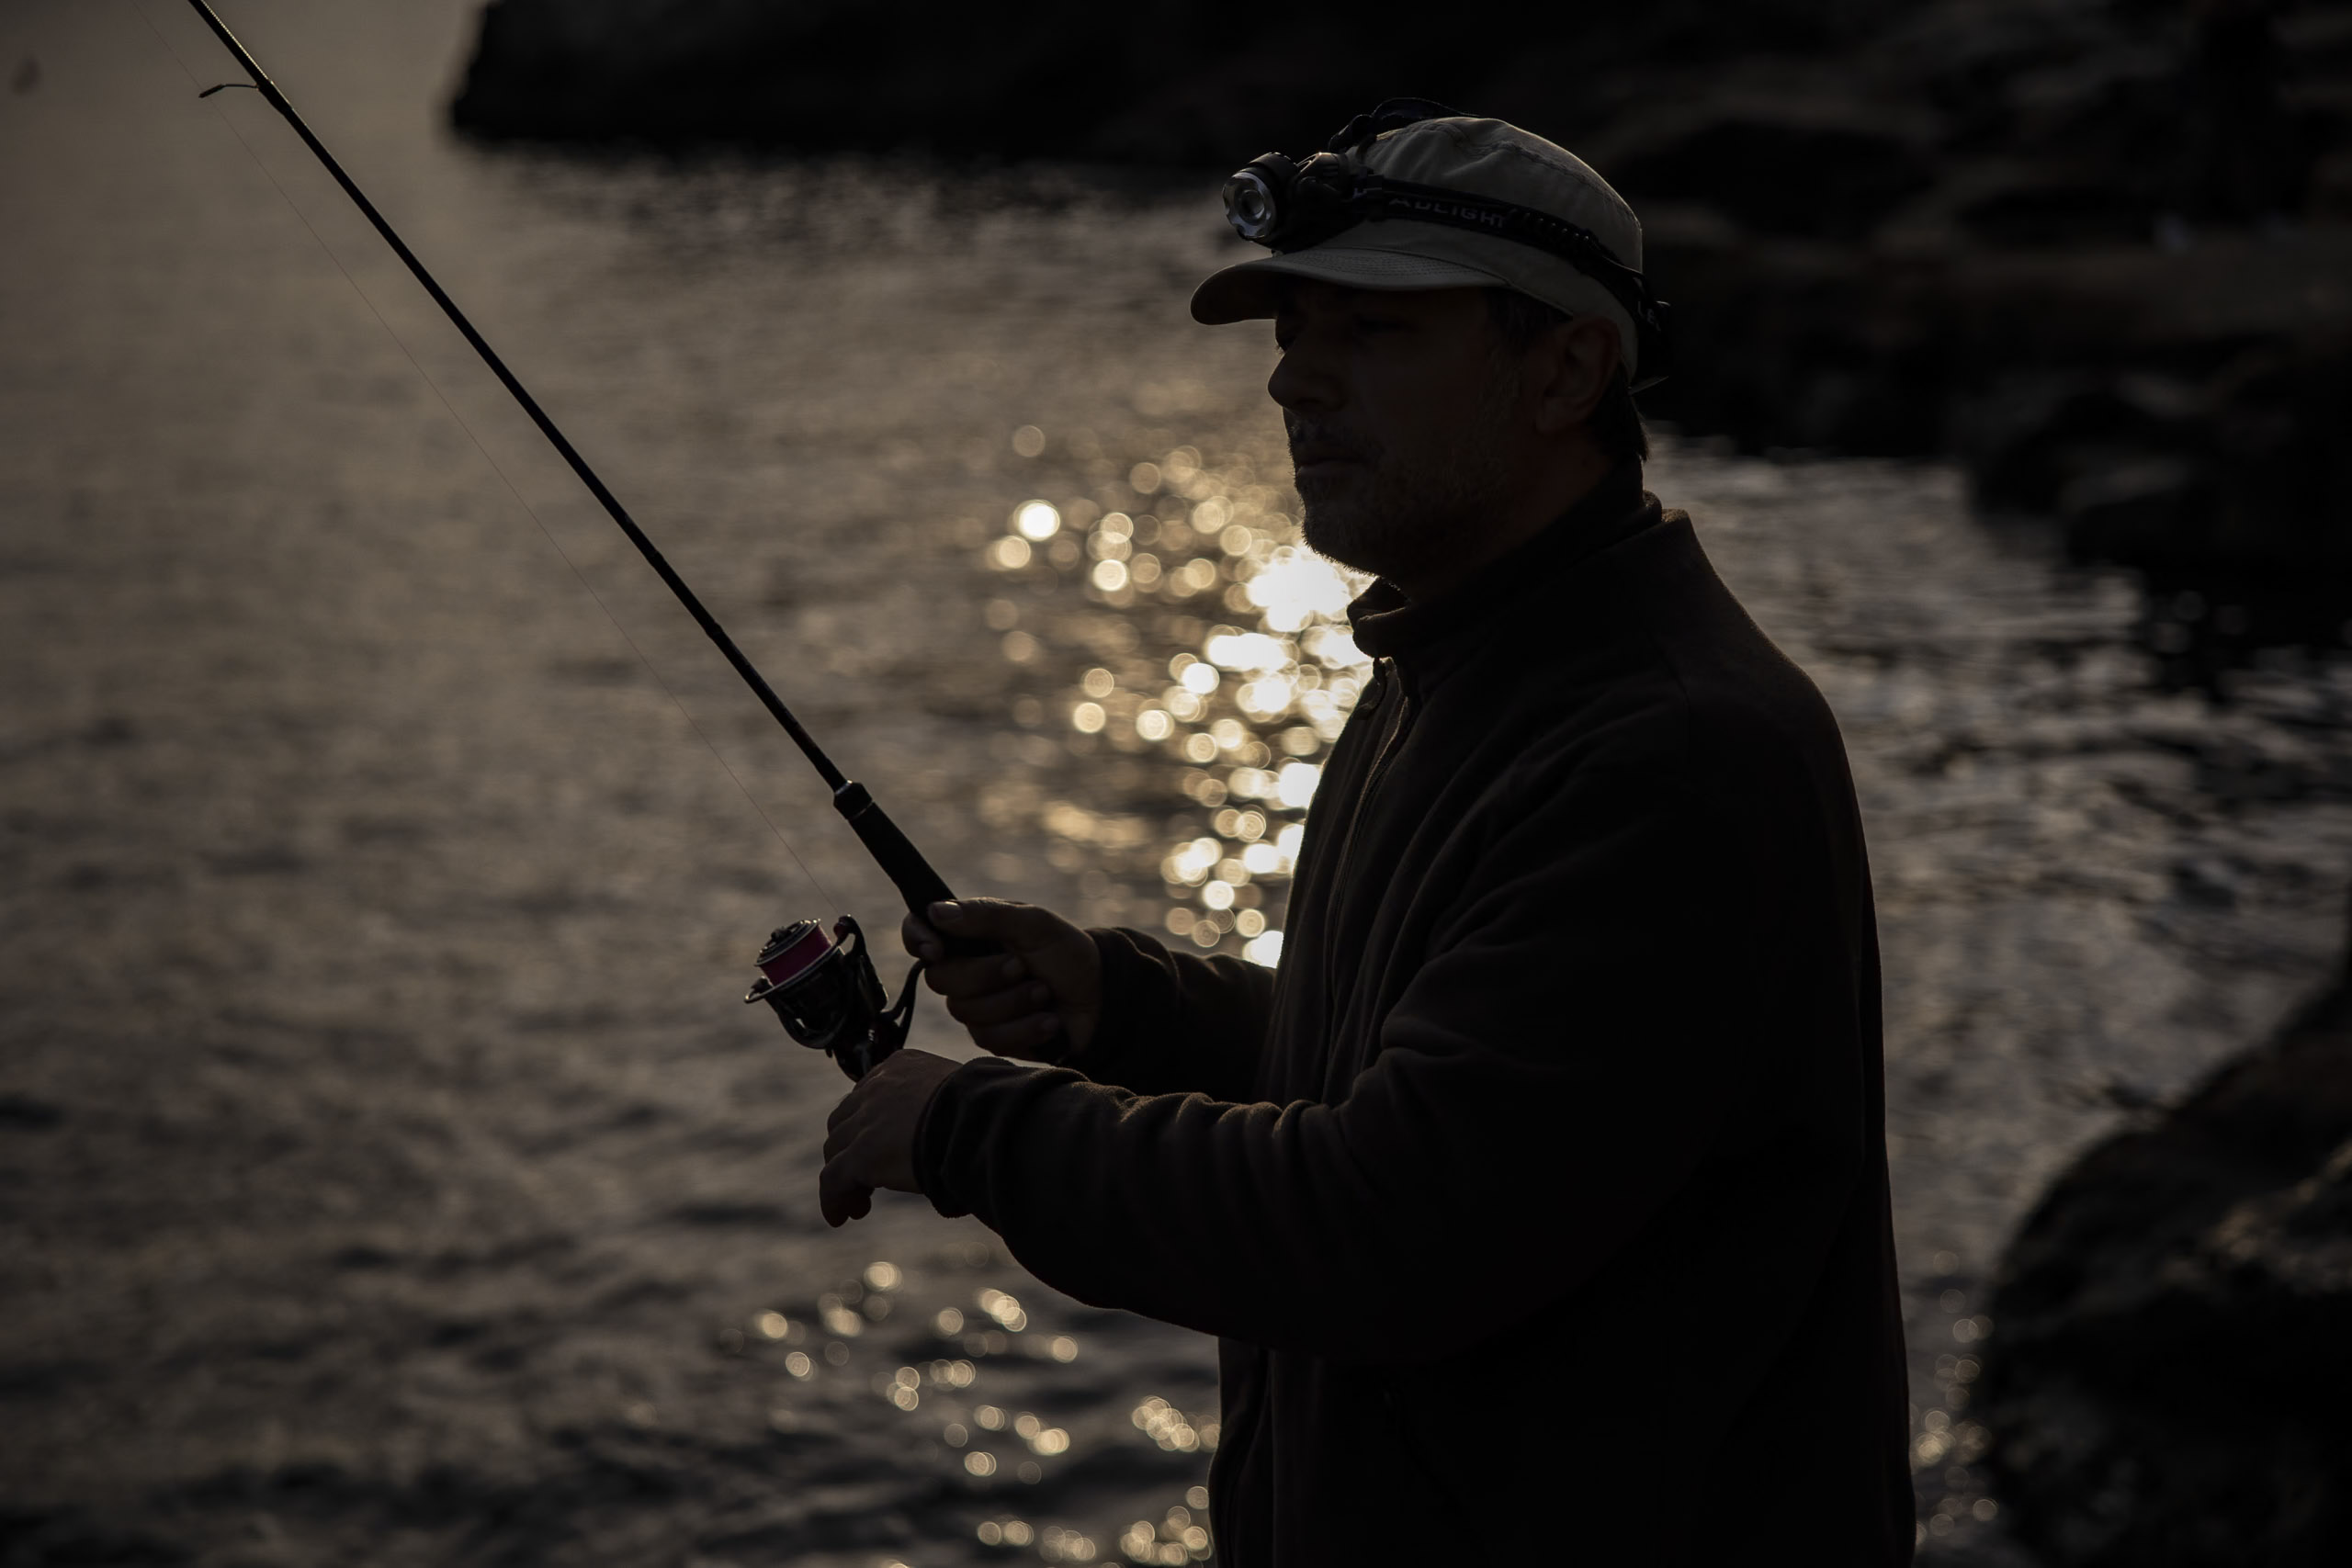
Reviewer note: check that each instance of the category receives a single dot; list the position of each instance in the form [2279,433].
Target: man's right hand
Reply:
[1039,998]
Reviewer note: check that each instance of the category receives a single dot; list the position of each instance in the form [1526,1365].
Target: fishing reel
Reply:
[824,988]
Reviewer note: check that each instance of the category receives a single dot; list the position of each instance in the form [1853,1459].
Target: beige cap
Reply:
[1481,157]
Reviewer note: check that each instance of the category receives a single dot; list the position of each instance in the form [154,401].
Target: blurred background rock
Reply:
[2097,248]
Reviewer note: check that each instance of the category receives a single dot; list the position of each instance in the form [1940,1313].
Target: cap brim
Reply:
[1247,291]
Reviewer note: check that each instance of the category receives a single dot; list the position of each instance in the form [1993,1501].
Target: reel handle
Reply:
[903,864]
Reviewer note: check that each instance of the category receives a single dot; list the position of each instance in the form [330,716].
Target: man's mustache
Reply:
[1313,443]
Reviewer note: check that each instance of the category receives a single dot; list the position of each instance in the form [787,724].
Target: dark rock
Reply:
[2167,1379]
[2056,206]
[22,1112]
[1781,163]
[2109,510]
[815,75]
[1808,116]
[2240,506]
[63,1536]
[1203,83]
[2038,435]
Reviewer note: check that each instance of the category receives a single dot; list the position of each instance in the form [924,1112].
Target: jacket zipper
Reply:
[1391,742]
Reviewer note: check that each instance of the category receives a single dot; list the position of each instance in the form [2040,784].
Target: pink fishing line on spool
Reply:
[793,951]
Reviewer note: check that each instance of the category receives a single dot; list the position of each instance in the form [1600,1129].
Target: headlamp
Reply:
[1288,206]
[1253,200]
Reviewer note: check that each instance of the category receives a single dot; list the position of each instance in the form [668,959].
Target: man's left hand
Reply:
[870,1137]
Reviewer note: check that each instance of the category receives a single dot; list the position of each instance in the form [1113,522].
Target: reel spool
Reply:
[825,990]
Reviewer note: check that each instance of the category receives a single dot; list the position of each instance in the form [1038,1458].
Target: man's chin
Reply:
[1337,533]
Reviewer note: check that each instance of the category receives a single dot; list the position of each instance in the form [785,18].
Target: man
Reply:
[1540,1201]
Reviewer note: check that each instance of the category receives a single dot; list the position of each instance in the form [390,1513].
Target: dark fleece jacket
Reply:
[1540,1201]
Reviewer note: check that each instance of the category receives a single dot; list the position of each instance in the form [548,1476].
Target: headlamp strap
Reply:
[1376,196]
[1392,114]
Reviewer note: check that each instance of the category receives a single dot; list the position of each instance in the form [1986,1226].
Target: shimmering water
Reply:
[393,1177]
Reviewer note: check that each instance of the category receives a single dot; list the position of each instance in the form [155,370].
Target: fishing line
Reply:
[528,510]
[823,989]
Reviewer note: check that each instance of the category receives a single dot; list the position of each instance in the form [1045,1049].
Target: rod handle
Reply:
[903,864]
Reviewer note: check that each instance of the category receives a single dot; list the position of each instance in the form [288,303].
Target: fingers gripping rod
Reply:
[917,883]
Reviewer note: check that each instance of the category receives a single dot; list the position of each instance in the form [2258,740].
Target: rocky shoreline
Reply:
[2094,248]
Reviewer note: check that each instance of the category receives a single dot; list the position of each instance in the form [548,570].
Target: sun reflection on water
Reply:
[1216,646]
[986,1409]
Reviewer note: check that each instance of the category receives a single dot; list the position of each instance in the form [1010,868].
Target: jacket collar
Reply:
[1386,625]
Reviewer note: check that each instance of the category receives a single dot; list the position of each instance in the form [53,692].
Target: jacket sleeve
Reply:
[1570,1049]
[1176,1023]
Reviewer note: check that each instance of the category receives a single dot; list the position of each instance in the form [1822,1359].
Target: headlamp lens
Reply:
[1251,205]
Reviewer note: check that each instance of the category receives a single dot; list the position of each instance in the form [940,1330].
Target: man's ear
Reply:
[1574,366]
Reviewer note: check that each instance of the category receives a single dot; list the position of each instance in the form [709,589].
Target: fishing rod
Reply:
[822,985]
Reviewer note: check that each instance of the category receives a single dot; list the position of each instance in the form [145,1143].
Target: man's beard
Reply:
[1392,511]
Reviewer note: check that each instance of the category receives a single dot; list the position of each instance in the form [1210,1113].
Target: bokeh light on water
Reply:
[1180,624]
[970,1377]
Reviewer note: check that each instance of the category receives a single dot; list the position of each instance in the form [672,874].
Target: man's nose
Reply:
[1303,383]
